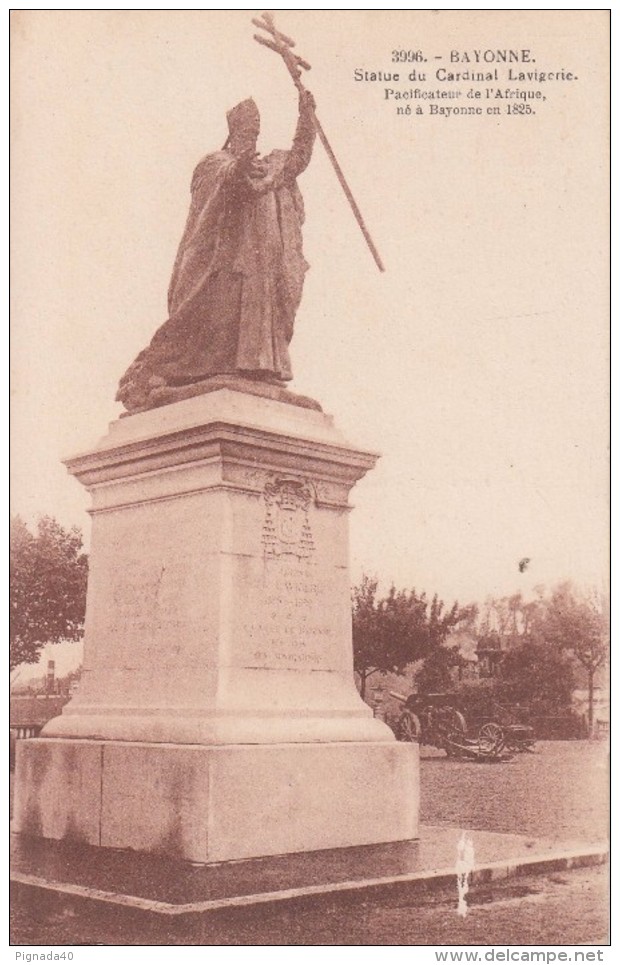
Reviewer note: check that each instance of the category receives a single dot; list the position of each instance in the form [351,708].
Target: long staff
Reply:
[283,45]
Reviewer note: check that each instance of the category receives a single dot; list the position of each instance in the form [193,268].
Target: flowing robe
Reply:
[238,276]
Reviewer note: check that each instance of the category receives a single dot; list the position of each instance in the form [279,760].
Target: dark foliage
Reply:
[48,575]
[391,631]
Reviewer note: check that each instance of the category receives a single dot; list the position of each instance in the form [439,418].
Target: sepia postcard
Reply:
[310,348]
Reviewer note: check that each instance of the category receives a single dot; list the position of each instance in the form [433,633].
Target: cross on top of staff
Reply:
[295,64]
[282,45]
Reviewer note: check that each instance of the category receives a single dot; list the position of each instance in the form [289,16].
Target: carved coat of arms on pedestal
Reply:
[286,530]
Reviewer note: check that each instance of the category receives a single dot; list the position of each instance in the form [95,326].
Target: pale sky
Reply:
[477,364]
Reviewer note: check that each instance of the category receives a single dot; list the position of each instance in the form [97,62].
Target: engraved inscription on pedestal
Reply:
[289,616]
[144,613]
[290,627]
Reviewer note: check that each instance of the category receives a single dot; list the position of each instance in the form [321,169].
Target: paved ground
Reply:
[560,792]
[565,908]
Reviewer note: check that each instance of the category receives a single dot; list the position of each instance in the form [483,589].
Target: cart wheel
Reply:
[491,738]
[409,728]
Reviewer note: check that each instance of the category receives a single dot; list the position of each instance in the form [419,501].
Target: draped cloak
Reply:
[237,279]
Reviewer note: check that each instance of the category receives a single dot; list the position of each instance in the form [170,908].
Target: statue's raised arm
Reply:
[305,136]
[275,40]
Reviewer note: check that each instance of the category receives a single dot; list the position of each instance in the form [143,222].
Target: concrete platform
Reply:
[117,881]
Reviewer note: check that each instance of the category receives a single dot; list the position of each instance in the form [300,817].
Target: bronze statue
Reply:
[239,272]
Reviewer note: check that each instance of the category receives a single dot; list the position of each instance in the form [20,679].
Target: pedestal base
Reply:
[217,803]
[217,716]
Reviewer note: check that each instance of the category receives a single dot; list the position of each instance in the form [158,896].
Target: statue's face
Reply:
[245,139]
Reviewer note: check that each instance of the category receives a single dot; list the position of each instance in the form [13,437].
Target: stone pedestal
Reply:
[217,715]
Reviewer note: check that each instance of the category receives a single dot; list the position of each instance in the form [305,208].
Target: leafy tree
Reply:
[48,574]
[579,624]
[478,696]
[535,672]
[541,640]
[434,676]
[509,621]
[391,632]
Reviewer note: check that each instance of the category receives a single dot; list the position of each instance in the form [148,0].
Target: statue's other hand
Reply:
[246,162]
[258,168]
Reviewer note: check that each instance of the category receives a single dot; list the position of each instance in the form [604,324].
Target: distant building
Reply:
[489,659]
[28,715]
[48,684]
